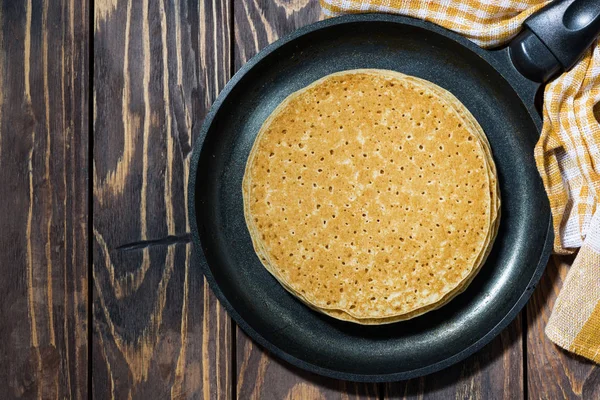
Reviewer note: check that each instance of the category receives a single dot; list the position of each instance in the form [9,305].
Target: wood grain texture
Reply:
[260,376]
[260,22]
[44,162]
[552,372]
[158,331]
[495,372]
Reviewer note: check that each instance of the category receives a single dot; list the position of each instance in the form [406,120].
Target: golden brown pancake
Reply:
[371,196]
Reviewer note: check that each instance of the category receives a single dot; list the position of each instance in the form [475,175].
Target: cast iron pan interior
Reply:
[497,96]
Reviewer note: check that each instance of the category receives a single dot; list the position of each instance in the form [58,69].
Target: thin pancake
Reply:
[381,237]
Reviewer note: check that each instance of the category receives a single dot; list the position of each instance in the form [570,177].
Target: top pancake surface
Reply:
[365,192]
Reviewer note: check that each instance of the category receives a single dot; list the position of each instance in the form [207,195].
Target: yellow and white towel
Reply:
[567,154]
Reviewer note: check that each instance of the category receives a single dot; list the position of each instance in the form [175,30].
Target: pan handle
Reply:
[555,38]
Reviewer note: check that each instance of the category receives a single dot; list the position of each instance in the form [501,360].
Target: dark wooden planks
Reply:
[260,376]
[44,163]
[158,330]
[552,372]
[260,22]
[495,372]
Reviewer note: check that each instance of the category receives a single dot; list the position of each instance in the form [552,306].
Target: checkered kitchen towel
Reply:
[567,154]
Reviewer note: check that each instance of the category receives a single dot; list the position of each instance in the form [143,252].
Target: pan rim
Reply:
[200,259]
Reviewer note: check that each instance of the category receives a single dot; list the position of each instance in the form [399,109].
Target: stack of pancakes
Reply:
[372,196]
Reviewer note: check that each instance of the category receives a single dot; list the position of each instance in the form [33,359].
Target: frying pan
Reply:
[497,94]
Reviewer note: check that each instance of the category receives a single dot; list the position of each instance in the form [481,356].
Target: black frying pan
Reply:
[499,97]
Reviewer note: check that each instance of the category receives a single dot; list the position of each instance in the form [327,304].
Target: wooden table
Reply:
[156,330]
